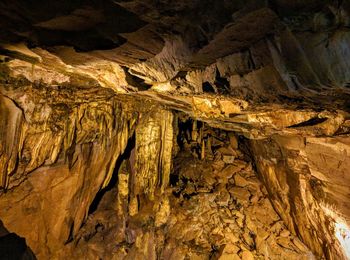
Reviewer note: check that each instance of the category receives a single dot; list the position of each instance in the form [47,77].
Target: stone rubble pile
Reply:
[224,209]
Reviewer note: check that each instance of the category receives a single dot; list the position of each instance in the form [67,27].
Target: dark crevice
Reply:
[17,55]
[181,74]
[135,81]
[82,41]
[114,180]
[174,179]
[13,246]
[251,64]
[184,128]
[310,122]
[71,234]
[138,202]
[221,83]
[207,87]
[295,100]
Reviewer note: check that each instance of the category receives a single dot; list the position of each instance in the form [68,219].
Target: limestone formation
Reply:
[189,129]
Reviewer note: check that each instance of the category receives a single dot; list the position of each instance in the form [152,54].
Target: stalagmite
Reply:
[154,141]
[203,149]
[194,133]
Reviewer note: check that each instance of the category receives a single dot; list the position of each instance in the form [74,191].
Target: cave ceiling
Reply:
[249,60]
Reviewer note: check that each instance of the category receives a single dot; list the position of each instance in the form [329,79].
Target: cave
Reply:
[194,130]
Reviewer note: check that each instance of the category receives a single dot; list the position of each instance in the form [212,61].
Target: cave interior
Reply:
[188,129]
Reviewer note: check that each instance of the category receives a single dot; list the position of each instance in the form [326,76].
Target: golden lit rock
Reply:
[177,130]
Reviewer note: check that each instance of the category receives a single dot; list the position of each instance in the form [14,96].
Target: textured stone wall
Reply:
[291,168]
[55,175]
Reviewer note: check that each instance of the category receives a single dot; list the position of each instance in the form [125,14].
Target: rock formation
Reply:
[176,129]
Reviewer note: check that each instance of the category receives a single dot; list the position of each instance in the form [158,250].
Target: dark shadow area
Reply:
[13,247]
[310,122]
[135,81]
[207,87]
[184,134]
[85,25]
[174,179]
[82,41]
[71,235]
[221,83]
[114,180]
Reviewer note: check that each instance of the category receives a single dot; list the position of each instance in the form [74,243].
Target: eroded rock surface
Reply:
[135,100]
[299,173]
[214,210]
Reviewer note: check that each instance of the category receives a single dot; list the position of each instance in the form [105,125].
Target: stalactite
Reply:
[81,155]
[194,133]
[10,133]
[154,141]
[203,149]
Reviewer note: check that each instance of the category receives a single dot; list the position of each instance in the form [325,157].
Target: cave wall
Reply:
[52,173]
[56,174]
[69,165]
[302,176]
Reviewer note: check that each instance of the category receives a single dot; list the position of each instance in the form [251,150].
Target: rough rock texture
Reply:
[209,212]
[154,142]
[56,195]
[95,99]
[300,175]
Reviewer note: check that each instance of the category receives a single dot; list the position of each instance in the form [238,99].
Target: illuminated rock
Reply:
[176,130]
